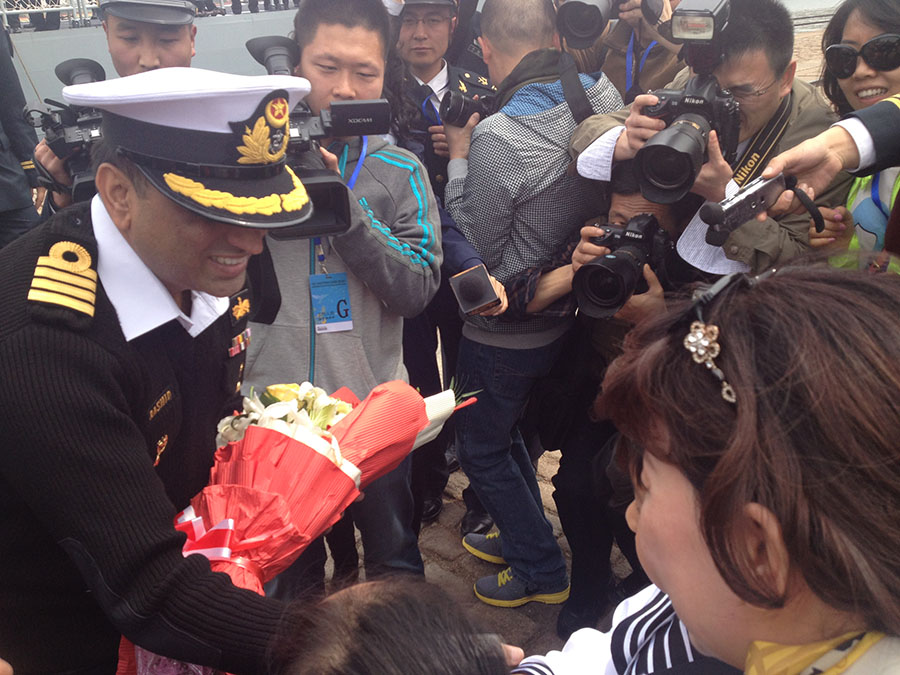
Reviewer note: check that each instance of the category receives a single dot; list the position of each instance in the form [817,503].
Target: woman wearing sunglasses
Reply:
[862,67]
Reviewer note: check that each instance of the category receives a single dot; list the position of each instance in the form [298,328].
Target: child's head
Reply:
[393,626]
[786,501]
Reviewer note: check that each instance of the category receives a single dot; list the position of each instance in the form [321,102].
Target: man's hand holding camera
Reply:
[639,128]
[57,170]
[459,138]
[639,306]
[714,174]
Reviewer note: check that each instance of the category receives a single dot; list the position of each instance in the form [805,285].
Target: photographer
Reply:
[583,490]
[631,53]
[512,198]
[776,112]
[426,28]
[383,268]
[142,35]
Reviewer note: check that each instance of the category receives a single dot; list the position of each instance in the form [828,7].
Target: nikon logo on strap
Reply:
[64,277]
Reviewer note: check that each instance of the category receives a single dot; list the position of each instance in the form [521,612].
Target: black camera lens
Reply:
[456,108]
[604,284]
[668,164]
[581,23]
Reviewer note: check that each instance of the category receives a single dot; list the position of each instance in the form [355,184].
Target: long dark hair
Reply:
[883,14]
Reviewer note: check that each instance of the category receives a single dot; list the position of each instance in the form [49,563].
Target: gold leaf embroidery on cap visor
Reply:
[257,148]
[294,200]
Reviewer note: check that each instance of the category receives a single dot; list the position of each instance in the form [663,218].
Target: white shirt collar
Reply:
[141,301]
[439,84]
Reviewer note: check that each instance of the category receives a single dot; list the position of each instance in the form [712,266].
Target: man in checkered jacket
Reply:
[512,196]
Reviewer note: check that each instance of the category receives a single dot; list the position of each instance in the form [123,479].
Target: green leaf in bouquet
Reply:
[458,386]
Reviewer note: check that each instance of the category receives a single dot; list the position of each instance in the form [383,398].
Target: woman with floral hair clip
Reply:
[764,418]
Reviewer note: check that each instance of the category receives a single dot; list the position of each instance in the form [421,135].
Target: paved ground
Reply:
[533,626]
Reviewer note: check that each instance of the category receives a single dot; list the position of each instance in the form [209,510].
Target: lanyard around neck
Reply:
[342,163]
[629,61]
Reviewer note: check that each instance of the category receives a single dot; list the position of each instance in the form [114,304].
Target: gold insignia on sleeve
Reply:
[64,277]
[241,307]
[462,87]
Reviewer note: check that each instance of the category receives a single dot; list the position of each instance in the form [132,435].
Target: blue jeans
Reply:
[384,518]
[495,459]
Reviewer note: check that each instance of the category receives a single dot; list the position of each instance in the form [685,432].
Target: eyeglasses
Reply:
[744,92]
[429,21]
[881,53]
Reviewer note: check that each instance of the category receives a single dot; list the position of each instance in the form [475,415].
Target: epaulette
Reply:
[64,285]
[471,83]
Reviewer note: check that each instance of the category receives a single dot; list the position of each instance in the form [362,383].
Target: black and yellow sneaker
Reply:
[505,590]
[485,546]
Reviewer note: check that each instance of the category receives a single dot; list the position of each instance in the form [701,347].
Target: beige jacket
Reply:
[760,245]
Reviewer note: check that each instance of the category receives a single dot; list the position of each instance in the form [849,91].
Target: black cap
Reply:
[163,12]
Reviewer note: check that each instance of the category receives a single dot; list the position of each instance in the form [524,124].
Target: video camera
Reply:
[70,130]
[329,195]
[667,165]
[603,285]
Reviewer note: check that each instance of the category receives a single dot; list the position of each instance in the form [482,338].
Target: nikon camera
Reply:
[667,165]
[604,284]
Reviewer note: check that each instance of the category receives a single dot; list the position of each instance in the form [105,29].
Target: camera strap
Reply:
[762,146]
[573,91]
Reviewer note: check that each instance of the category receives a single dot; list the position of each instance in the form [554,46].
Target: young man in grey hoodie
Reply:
[362,282]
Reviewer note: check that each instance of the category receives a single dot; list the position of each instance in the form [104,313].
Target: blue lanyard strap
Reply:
[359,162]
[431,113]
[629,61]
[876,195]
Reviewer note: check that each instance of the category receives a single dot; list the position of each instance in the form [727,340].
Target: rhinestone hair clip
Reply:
[702,341]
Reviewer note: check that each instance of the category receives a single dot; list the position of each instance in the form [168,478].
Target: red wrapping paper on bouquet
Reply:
[380,432]
[271,494]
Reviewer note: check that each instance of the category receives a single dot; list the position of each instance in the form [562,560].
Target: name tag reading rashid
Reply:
[330,298]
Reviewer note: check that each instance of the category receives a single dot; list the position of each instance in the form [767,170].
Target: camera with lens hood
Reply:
[667,165]
[603,285]
[70,130]
[456,108]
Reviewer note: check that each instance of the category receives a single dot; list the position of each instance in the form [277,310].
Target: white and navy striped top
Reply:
[646,637]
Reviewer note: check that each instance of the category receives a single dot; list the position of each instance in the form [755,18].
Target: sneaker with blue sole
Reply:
[505,590]
[485,547]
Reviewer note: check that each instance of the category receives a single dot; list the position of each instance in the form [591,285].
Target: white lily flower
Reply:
[252,404]
[281,409]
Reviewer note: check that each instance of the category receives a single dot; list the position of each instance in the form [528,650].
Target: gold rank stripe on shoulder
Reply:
[65,278]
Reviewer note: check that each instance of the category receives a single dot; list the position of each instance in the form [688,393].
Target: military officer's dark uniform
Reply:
[467,83]
[112,389]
